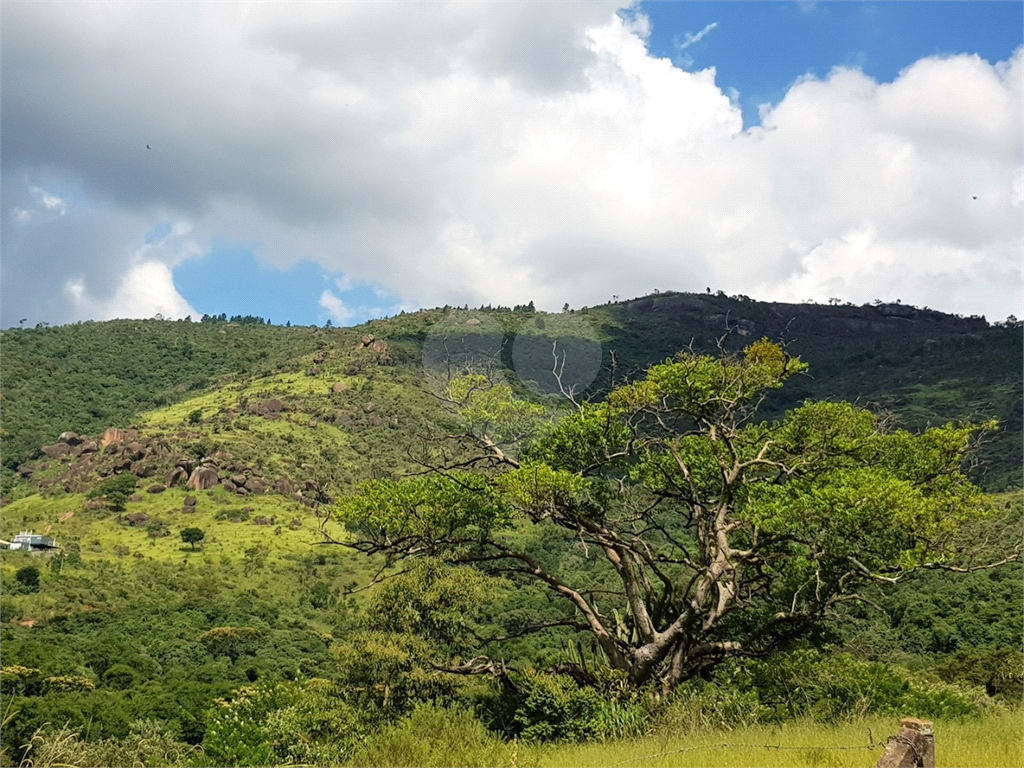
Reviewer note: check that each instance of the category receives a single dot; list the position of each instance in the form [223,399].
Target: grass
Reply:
[996,740]
[98,532]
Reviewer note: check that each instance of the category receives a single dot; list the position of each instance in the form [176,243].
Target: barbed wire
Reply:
[738,745]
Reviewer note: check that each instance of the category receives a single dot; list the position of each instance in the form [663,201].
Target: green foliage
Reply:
[28,577]
[999,671]
[389,671]
[120,676]
[555,707]
[807,684]
[280,724]
[231,641]
[427,509]
[90,376]
[432,600]
[116,491]
[17,679]
[437,737]
[492,409]
[148,743]
[192,535]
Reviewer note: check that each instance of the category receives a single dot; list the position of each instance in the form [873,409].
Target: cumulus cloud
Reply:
[145,290]
[335,307]
[457,153]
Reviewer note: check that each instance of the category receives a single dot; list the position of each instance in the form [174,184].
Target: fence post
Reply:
[912,747]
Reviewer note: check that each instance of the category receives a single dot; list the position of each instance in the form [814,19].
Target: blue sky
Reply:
[321,162]
[759,49]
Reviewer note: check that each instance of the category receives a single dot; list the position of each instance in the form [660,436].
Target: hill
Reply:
[926,367]
[117,438]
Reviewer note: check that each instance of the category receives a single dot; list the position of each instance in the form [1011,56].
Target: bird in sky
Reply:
[148,147]
[974,197]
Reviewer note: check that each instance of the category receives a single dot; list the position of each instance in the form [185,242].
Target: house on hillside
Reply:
[32,541]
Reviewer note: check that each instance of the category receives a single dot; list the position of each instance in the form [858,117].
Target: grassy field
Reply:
[99,532]
[997,740]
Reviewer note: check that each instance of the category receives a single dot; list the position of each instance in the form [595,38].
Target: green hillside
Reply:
[257,642]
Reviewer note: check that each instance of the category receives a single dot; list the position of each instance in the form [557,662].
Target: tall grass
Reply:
[994,740]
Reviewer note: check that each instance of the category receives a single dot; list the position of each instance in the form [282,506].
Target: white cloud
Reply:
[145,290]
[335,307]
[459,153]
[689,39]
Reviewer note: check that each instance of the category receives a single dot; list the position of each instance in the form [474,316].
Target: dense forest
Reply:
[505,530]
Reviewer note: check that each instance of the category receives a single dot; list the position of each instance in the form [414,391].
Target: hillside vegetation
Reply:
[195,476]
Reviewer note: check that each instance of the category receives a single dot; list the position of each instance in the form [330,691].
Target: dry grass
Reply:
[996,740]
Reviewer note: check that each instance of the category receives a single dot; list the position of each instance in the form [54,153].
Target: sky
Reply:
[343,161]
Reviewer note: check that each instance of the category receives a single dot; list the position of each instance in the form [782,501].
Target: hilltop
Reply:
[348,396]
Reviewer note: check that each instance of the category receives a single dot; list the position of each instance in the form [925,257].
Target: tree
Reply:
[192,535]
[118,490]
[707,536]
[28,577]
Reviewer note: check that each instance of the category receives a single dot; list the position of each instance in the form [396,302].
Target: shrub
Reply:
[66,683]
[120,676]
[435,736]
[28,577]
[148,743]
[555,707]
[283,724]
[17,679]
[810,684]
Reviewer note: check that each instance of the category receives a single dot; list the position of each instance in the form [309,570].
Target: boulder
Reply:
[131,435]
[70,438]
[314,371]
[111,436]
[229,486]
[238,479]
[284,486]
[367,340]
[273,406]
[318,358]
[25,471]
[136,519]
[369,408]
[156,489]
[122,464]
[190,501]
[261,520]
[176,476]
[313,423]
[203,478]
[253,485]
[90,446]
[92,504]
[55,451]
[339,387]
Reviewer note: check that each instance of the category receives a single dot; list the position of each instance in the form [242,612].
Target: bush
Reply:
[435,736]
[147,744]
[120,676]
[28,577]
[812,685]
[555,707]
[283,724]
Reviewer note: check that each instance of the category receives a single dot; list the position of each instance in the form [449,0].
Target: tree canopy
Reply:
[712,535]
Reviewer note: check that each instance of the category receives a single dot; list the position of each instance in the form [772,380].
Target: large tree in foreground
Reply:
[722,536]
